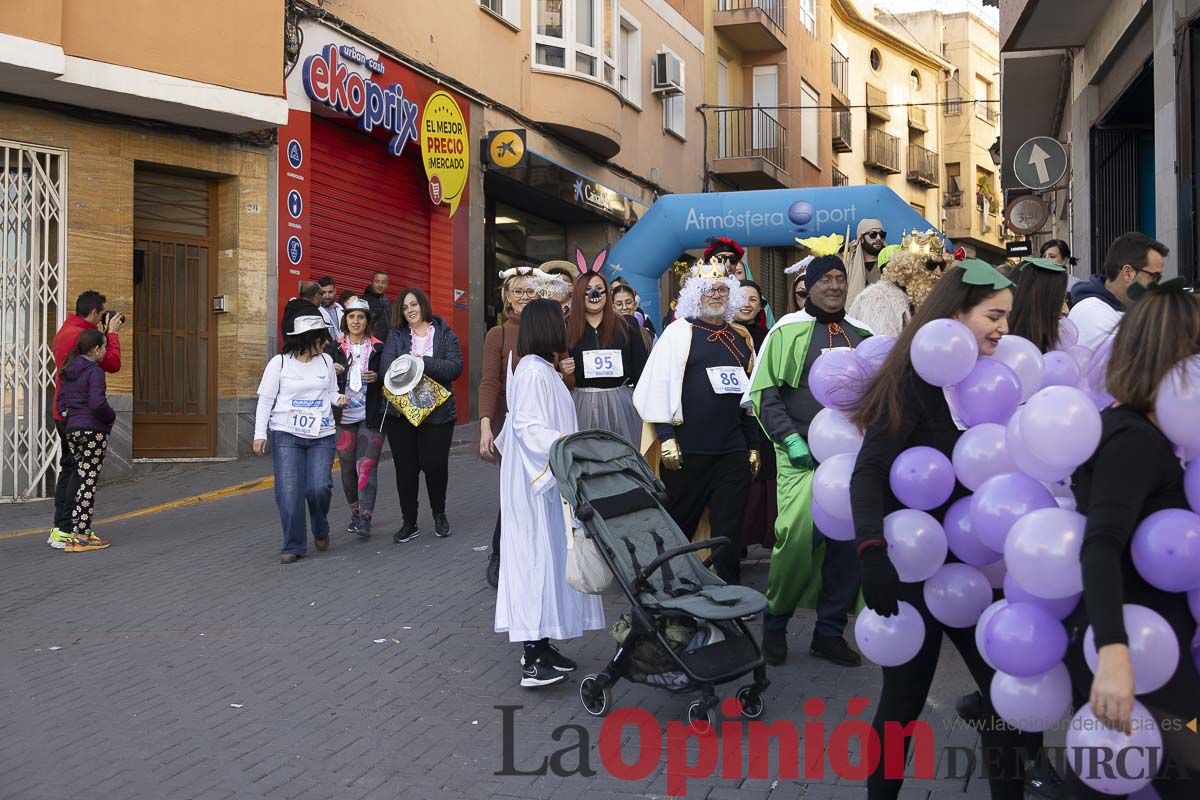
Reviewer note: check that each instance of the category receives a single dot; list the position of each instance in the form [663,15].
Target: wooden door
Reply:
[175,272]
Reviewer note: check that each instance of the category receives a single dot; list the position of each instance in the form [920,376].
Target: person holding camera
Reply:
[90,315]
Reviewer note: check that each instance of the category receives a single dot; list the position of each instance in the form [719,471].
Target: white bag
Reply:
[587,571]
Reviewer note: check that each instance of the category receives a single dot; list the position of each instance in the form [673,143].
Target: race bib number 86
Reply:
[728,380]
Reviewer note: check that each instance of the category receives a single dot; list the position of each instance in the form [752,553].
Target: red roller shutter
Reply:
[369,211]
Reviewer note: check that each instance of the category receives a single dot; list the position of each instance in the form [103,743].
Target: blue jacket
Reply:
[444,366]
[1095,288]
[81,397]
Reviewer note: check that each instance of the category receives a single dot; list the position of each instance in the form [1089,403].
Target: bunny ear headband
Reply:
[524,272]
[596,266]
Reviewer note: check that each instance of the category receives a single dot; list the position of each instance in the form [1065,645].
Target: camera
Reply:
[109,316]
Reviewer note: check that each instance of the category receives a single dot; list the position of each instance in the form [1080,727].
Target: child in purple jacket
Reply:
[81,399]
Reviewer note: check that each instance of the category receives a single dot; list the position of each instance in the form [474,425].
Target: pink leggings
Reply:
[358,447]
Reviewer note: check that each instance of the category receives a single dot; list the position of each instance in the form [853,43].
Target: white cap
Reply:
[404,374]
[357,304]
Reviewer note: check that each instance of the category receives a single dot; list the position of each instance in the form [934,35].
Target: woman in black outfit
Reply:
[425,447]
[606,354]
[1133,473]
[1039,301]
[898,411]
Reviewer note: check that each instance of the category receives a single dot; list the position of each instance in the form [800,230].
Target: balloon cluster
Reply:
[1031,420]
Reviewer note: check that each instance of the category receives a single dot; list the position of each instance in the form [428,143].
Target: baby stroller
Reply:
[619,501]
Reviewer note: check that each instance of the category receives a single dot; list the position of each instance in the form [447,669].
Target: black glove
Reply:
[880,583]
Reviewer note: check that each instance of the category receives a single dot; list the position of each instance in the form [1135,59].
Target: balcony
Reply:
[988,112]
[958,222]
[755,26]
[840,73]
[839,178]
[922,166]
[883,151]
[877,103]
[842,141]
[567,104]
[952,108]
[751,148]
[916,119]
[952,200]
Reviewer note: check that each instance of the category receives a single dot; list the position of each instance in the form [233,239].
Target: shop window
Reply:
[629,62]
[810,127]
[577,37]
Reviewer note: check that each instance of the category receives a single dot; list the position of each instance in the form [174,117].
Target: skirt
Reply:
[609,410]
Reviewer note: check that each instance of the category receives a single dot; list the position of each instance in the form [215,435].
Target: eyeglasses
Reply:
[523,292]
[876,234]
[717,291]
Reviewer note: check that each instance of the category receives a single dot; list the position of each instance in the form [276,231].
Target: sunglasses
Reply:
[876,234]
[1154,276]
[932,265]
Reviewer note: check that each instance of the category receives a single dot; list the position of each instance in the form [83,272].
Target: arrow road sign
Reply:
[1040,163]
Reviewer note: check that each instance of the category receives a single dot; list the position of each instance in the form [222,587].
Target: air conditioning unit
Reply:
[668,74]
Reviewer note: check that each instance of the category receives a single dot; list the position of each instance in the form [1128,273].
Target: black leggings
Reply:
[424,448]
[719,484]
[906,688]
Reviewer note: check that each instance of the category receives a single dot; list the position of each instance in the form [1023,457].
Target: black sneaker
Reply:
[355,522]
[774,643]
[364,526]
[539,673]
[971,708]
[493,571]
[551,656]
[835,649]
[441,526]
[1042,780]
[409,532]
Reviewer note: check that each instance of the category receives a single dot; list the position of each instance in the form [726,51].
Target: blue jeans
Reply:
[303,476]
[840,579]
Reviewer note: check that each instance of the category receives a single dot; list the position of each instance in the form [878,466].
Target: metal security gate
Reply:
[33,272]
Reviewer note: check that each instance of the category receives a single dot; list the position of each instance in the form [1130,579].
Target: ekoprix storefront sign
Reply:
[769,218]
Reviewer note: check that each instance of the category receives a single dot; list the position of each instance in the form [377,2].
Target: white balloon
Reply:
[831,485]
[1060,427]
[1023,357]
[831,432]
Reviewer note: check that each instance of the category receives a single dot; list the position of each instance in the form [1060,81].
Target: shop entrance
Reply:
[174,335]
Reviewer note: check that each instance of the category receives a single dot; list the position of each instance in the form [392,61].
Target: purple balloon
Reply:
[874,351]
[1097,374]
[1024,460]
[1166,550]
[1024,640]
[1153,648]
[1001,501]
[981,629]
[1068,333]
[841,530]
[962,540]
[1140,752]
[1191,484]
[995,573]
[1035,703]
[957,594]
[916,544]
[1042,552]
[1059,609]
[1024,358]
[981,453]
[1060,427]
[922,478]
[890,641]
[1178,403]
[831,485]
[944,352]
[1061,370]
[1082,356]
[990,393]
[838,378]
[831,433]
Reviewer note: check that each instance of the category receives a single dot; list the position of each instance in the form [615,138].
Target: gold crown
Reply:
[712,270]
[929,242]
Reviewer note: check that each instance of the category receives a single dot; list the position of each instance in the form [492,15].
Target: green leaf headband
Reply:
[1172,286]
[1043,263]
[981,273]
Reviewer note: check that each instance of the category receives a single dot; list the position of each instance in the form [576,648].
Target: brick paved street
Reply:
[185,662]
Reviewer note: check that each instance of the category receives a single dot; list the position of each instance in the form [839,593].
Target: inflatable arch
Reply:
[767,218]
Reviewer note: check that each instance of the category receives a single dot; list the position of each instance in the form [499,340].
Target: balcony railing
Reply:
[952,200]
[916,118]
[751,132]
[839,178]
[842,141]
[988,112]
[952,108]
[877,103]
[883,151]
[775,10]
[922,166]
[840,67]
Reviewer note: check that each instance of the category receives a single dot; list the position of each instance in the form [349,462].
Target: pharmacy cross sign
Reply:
[1040,163]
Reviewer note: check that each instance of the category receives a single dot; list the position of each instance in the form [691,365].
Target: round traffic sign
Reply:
[1026,214]
[1040,163]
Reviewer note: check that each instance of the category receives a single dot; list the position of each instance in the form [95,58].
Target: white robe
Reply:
[883,306]
[533,600]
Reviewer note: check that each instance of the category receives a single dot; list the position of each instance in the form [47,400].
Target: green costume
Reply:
[785,407]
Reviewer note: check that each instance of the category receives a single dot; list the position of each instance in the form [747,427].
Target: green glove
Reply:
[798,452]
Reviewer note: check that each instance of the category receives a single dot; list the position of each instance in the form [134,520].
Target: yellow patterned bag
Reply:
[419,403]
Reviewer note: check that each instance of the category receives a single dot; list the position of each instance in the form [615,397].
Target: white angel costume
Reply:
[533,600]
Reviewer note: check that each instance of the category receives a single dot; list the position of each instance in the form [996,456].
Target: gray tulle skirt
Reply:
[609,410]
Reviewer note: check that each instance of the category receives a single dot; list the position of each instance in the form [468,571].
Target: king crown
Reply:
[709,270]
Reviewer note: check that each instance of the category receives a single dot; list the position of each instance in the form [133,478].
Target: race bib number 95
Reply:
[603,364]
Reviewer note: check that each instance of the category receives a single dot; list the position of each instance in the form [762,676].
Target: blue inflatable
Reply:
[768,218]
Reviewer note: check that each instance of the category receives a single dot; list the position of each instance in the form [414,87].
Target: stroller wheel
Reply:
[701,717]
[752,702]
[596,701]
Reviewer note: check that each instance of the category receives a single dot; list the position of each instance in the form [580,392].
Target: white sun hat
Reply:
[404,374]
[309,322]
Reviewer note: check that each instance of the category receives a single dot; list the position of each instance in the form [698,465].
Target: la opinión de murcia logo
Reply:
[328,81]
